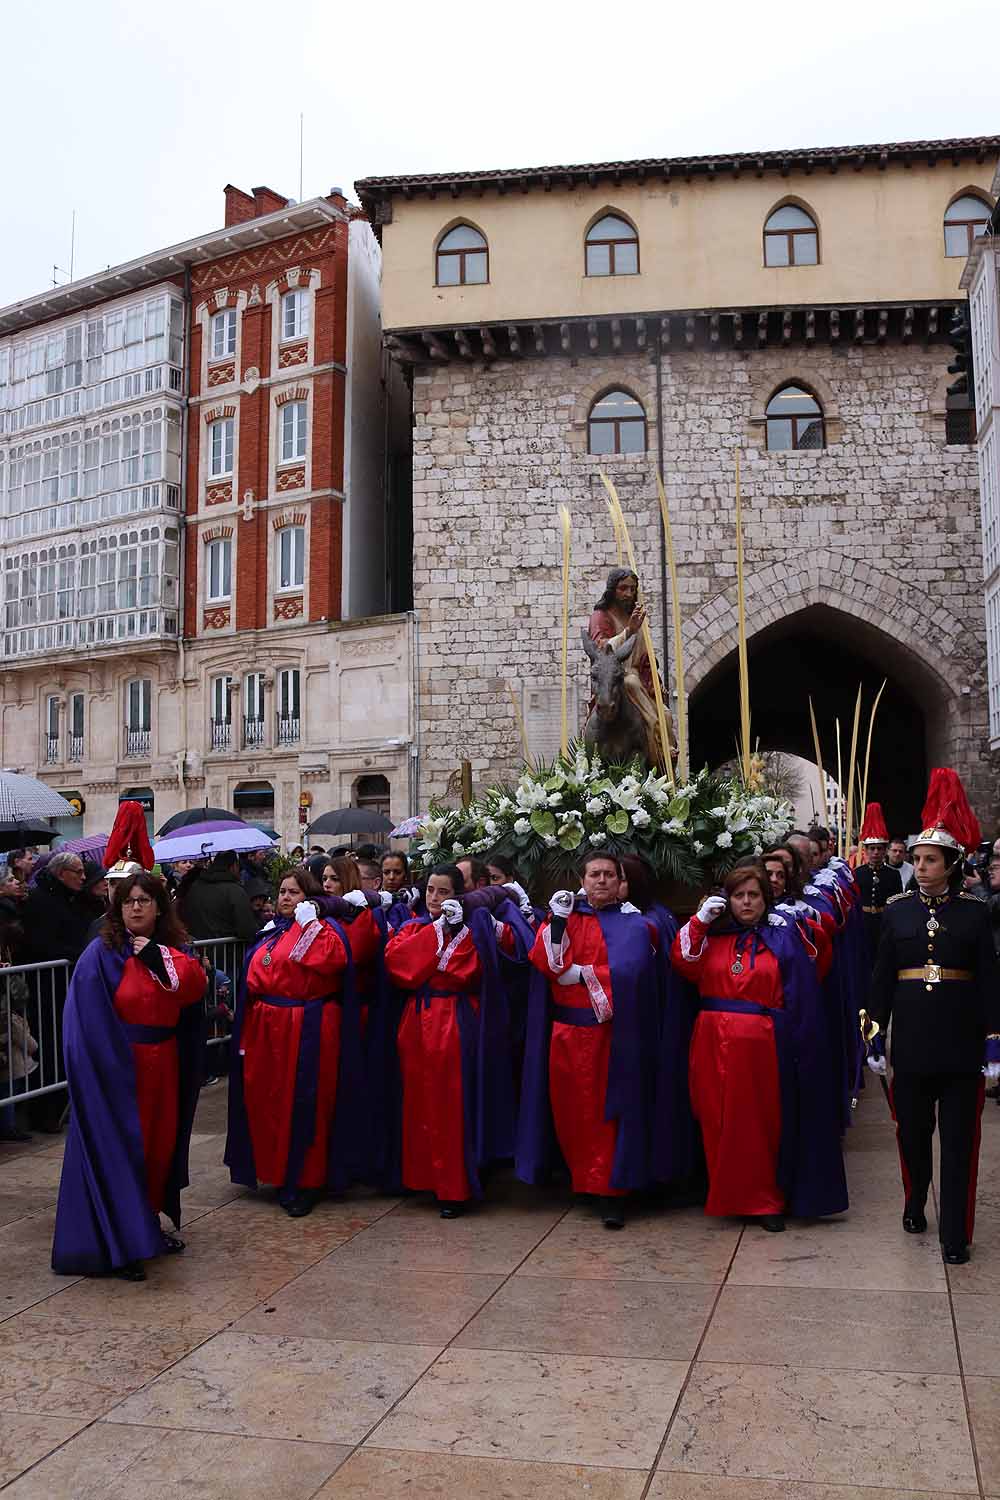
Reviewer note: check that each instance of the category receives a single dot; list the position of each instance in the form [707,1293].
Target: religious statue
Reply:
[623,719]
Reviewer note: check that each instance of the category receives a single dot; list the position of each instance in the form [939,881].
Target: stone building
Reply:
[558,322]
[982,280]
[189,617]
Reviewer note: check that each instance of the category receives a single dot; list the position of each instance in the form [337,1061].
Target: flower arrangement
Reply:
[692,833]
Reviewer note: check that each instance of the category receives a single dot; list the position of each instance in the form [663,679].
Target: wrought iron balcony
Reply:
[51,749]
[253,733]
[222,734]
[75,747]
[137,744]
[287,732]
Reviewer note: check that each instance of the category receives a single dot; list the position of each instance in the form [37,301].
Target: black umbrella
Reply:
[351,820]
[198,815]
[16,835]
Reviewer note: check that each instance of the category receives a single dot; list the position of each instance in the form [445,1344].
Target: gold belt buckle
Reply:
[932,973]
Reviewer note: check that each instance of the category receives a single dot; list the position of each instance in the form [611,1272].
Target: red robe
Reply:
[735,1092]
[305,964]
[430,1052]
[363,939]
[579,1056]
[141,1000]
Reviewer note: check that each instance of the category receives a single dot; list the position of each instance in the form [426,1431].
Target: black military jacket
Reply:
[939,1024]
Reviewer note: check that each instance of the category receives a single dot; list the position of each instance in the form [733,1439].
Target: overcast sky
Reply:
[137,116]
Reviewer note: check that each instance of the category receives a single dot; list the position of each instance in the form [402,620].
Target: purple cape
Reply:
[103,1218]
[676,1146]
[347,1146]
[631,1067]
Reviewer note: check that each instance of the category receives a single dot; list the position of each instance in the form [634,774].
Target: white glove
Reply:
[773,919]
[991,1072]
[386,899]
[572,975]
[561,903]
[877,1065]
[711,908]
[519,891]
[630,910]
[354,898]
[305,913]
[452,912]
[138,943]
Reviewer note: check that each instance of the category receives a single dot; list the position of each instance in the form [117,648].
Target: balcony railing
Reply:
[75,747]
[222,734]
[33,640]
[287,731]
[253,733]
[51,749]
[70,515]
[137,742]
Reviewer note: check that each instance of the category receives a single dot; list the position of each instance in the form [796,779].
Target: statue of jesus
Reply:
[617,617]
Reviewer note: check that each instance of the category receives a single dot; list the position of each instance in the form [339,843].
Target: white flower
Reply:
[522,826]
[504,805]
[724,839]
[598,838]
[489,827]
[555,798]
[641,818]
[458,848]
[430,832]
[716,812]
[597,805]
[550,840]
[698,846]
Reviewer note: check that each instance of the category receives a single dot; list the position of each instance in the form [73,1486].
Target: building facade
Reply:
[193,513]
[564,322]
[982,280]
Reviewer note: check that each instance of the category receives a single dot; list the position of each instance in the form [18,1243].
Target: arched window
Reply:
[463,257]
[617,424]
[794,420]
[790,238]
[612,248]
[964,219]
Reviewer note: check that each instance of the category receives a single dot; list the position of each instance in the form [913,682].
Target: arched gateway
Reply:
[821,633]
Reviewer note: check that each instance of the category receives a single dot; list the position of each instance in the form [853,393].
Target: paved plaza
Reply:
[522,1351]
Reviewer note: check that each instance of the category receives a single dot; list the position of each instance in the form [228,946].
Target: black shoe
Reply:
[612,1211]
[298,1204]
[172,1243]
[133,1271]
[773,1223]
[955,1255]
[915,1221]
[452,1210]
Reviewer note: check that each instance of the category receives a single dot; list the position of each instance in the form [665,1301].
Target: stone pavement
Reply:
[523,1351]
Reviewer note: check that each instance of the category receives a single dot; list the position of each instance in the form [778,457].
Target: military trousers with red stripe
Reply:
[956,1100]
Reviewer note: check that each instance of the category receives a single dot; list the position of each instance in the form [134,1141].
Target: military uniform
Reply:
[878,885]
[937,979]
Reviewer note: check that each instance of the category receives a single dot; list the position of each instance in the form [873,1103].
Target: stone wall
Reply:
[883,523]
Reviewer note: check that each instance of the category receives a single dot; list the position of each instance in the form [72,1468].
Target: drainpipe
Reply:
[182,532]
[664,610]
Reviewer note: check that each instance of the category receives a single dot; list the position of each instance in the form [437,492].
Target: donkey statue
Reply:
[614,726]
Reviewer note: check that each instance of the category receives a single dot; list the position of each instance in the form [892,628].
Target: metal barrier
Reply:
[31,1000]
[31,1004]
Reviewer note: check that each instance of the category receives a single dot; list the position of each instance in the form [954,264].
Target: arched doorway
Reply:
[824,652]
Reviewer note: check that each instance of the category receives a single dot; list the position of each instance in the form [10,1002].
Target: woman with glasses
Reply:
[132,1034]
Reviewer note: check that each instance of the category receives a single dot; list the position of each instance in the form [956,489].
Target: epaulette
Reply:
[900,895]
[968,896]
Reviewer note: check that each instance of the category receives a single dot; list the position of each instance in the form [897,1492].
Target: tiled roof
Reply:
[801,157]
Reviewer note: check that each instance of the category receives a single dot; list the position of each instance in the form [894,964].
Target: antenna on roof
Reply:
[58,271]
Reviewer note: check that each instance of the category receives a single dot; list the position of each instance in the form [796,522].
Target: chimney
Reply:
[239,206]
[267,201]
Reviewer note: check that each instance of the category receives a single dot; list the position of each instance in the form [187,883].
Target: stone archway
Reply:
[821,632]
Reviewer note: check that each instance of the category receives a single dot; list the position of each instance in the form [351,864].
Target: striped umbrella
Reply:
[23,799]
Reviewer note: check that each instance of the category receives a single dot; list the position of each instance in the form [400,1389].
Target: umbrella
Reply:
[15,834]
[23,799]
[211,825]
[351,820]
[90,843]
[199,815]
[408,827]
[183,845]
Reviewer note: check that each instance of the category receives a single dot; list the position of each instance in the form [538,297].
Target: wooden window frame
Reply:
[967,225]
[460,255]
[789,235]
[806,418]
[618,423]
[632,239]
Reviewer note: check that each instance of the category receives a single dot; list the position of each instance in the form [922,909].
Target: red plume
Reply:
[947,806]
[128,838]
[874,826]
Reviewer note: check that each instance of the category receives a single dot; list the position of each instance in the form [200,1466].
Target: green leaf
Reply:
[571,837]
[617,822]
[543,822]
[678,808]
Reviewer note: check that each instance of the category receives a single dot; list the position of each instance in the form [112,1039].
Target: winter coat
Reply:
[215,905]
